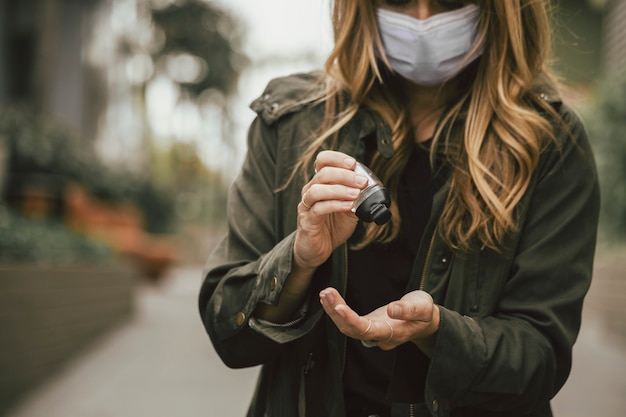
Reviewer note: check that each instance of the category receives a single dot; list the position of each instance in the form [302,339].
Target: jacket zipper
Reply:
[432,243]
[429,255]
[345,290]
[302,393]
[427,261]
[421,286]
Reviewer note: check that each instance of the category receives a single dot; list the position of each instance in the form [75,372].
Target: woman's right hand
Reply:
[325,219]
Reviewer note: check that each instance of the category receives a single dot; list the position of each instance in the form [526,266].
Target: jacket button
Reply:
[240,319]
[435,406]
[274,284]
[442,262]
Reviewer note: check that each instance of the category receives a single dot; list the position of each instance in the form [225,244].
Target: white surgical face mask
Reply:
[428,52]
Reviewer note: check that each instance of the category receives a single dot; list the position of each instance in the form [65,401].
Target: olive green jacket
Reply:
[508,320]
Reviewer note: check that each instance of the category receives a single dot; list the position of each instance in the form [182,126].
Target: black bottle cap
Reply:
[375,208]
[380,214]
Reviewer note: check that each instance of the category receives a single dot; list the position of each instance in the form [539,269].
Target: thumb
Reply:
[414,306]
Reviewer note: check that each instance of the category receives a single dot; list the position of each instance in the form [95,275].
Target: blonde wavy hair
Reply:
[501,132]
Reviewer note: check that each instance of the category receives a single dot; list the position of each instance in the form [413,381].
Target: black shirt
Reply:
[377,275]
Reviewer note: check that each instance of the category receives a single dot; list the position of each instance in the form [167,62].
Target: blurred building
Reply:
[44,53]
[578,34]
[615,37]
[41,60]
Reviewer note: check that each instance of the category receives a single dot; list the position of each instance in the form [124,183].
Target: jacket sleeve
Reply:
[520,356]
[250,264]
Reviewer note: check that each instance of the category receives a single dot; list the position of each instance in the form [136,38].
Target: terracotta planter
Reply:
[121,225]
[36,195]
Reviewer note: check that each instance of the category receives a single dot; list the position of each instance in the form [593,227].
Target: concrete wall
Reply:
[49,314]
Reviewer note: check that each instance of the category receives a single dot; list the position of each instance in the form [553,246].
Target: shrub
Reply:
[47,153]
[41,160]
[45,241]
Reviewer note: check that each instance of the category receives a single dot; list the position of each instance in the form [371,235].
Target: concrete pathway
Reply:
[161,364]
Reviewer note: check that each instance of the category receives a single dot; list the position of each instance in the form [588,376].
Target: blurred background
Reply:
[122,125]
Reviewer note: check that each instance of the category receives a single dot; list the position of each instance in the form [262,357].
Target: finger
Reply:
[325,178]
[414,306]
[331,184]
[329,192]
[322,208]
[303,203]
[346,319]
[371,329]
[334,158]
[334,175]
[391,331]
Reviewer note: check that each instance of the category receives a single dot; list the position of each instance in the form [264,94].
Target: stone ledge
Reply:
[48,314]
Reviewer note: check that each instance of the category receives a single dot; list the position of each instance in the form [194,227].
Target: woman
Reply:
[468,301]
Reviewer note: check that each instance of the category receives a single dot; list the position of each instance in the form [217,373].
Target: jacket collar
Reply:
[366,123]
[370,122]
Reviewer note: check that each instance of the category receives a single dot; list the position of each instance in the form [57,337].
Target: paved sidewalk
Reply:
[161,364]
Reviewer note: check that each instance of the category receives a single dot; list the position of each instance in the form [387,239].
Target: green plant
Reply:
[45,241]
[46,153]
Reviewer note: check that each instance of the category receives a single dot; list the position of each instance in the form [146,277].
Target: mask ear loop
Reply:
[479,44]
[379,52]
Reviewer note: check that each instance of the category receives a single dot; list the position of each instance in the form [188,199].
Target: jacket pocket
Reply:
[488,282]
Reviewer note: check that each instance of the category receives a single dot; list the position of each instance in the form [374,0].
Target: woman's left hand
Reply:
[414,318]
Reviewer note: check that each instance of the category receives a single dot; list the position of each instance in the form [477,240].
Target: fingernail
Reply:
[396,311]
[340,312]
[349,162]
[329,298]
[360,180]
